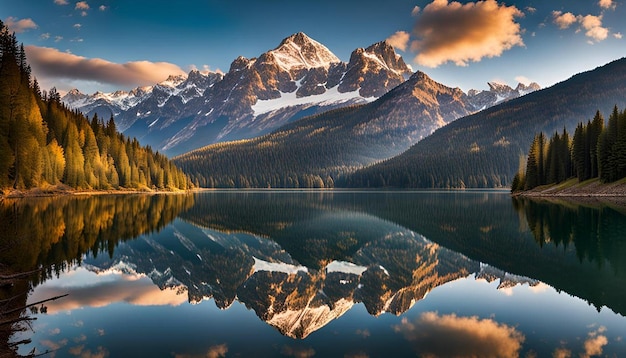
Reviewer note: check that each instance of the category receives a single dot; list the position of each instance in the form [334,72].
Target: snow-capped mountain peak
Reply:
[173,81]
[299,51]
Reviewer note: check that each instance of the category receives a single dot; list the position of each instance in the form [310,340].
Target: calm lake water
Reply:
[325,274]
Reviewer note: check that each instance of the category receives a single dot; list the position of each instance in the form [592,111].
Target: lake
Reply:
[320,273]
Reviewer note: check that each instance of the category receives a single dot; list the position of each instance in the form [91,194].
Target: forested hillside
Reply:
[43,143]
[306,155]
[483,150]
[595,151]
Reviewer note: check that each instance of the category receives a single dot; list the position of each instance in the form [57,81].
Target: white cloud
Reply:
[102,8]
[530,9]
[44,36]
[83,13]
[77,26]
[416,10]
[451,31]
[617,35]
[19,26]
[52,63]
[61,2]
[58,38]
[399,40]
[81,5]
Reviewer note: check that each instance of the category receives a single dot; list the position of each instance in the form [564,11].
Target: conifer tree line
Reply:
[42,142]
[595,151]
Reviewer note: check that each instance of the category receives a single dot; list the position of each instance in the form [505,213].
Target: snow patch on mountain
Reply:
[331,96]
[261,265]
[345,267]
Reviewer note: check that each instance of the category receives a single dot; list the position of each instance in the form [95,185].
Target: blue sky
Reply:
[119,44]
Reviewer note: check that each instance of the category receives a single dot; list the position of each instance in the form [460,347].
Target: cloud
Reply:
[298,352]
[137,290]
[592,24]
[58,38]
[607,4]
[416,10]
[451,31]
[617,35]
[562,353]
[61,2]
[79,351]
[530,9]
[19,26]
[216,351]
[102,8]
[81,5]
[44,36]
[595,342]
[563,20]
[399,40]
[77,26]
[452,336]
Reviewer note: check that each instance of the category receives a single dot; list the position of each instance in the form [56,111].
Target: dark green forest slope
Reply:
[44,143]
[484,149]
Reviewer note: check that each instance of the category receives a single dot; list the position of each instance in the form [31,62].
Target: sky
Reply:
[106,45]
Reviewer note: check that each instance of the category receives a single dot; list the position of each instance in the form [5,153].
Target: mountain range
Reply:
[300,77]
[295,298]
[483,149]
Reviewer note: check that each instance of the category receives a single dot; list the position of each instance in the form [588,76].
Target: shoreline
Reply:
[61,190]
[592,188]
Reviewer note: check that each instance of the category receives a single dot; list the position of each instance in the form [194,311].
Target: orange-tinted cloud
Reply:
[216,351]
[592,24]
[595,343]
[49,62]
[606,4]
[460,33]
[298,352]
[563,20]
[136,290]
[81,5]
[19,26]
[399,40]
[454,336]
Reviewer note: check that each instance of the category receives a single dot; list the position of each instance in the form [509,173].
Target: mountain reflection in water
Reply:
[302,260]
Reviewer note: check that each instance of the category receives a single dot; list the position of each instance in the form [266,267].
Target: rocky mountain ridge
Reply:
[300,77]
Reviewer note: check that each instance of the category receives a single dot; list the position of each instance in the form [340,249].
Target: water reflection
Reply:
[300,261]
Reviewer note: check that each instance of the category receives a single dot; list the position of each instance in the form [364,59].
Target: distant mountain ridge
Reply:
[487,145]
[300,77]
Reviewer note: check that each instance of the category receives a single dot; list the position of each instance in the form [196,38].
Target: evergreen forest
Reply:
[43,143]
[595,151]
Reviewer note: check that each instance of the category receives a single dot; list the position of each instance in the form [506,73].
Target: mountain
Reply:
[316,150]
[484,149]
[387,273]
[299,77]
[160,99]
[499,93]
